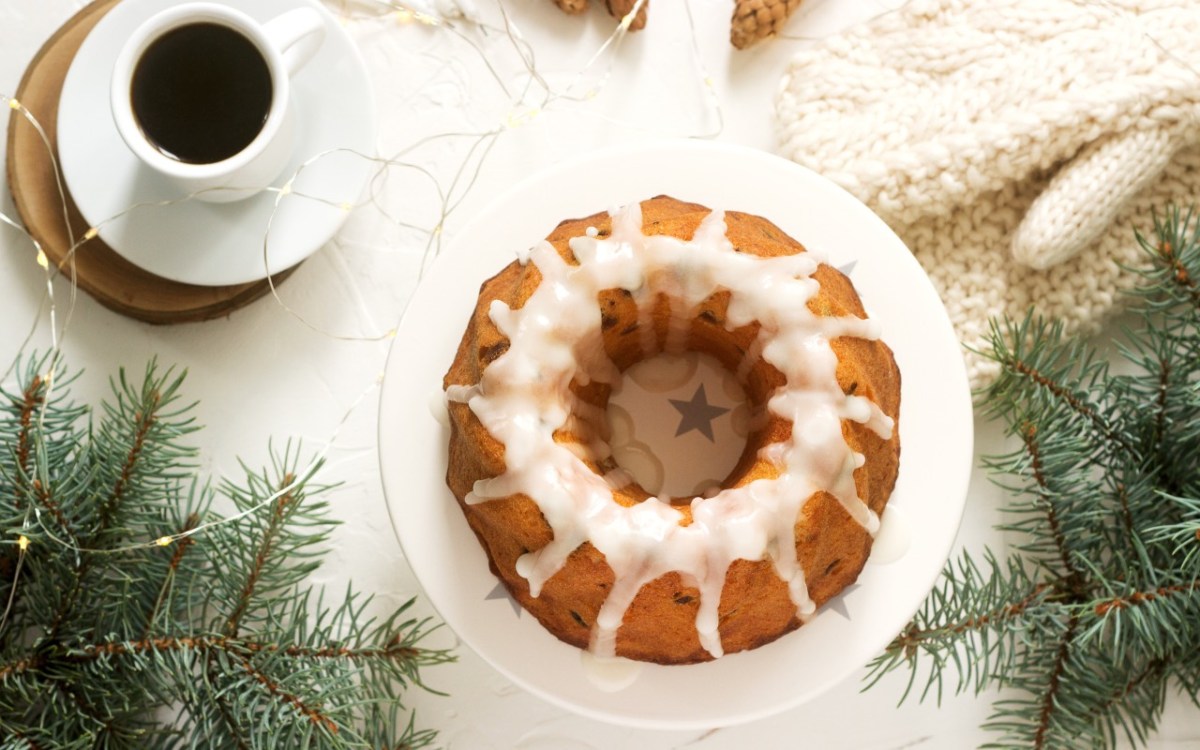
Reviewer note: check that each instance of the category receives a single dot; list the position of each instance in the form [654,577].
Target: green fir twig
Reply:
[136,616]
[1095,618]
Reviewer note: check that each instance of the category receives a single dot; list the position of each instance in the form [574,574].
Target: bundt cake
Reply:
[601,563]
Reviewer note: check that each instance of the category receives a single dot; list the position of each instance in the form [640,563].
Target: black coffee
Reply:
[201,93]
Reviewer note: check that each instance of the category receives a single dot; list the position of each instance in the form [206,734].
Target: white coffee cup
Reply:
[285,43]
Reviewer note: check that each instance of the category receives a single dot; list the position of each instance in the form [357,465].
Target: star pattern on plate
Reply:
[500,592]
[697,414]
[839,604]
[848,268]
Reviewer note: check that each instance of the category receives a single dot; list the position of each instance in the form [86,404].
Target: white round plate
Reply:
[936,435]
[212,244]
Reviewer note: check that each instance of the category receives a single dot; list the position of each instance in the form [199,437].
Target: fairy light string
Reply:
[534,99]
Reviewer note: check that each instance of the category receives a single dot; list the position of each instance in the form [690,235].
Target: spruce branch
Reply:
[1046,497]
[1095,618]
[1046,375]
[29,403]
[261,553]
[1031,718]
[166,579]
[1173,277]
[971,622]
[1151,624]
[138,617]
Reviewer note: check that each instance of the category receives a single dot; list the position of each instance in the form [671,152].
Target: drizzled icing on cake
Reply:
[524,396]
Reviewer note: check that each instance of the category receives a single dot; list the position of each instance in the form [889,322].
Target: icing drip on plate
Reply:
[524,396]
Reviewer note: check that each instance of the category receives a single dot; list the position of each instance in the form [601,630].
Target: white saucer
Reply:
[919,526]
[195,242]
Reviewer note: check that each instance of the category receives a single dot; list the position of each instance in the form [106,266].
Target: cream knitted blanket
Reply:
[1014,145]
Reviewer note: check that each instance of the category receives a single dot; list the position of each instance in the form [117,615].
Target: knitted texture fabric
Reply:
[1014,145]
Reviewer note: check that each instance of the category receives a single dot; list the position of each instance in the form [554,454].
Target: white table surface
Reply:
[265,372]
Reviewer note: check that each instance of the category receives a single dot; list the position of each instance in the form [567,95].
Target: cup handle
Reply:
[297,35]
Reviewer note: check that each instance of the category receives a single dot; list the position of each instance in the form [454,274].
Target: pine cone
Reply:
[752,19]
[619,9]
[756,19]
[572,6]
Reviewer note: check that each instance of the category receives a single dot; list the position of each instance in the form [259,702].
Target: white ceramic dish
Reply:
[212,244]
[935,426]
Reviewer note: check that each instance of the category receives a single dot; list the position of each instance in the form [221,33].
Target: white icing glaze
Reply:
[438,408]
[894,538]
[610,674]
[555,338]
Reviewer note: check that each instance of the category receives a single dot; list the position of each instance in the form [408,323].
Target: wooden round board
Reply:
[96,268]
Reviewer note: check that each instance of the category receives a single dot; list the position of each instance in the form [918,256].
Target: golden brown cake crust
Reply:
[755,606]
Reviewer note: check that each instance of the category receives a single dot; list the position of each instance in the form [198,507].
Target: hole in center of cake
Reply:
[678,424]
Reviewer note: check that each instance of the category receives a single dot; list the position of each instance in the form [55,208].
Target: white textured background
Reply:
[264,373]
